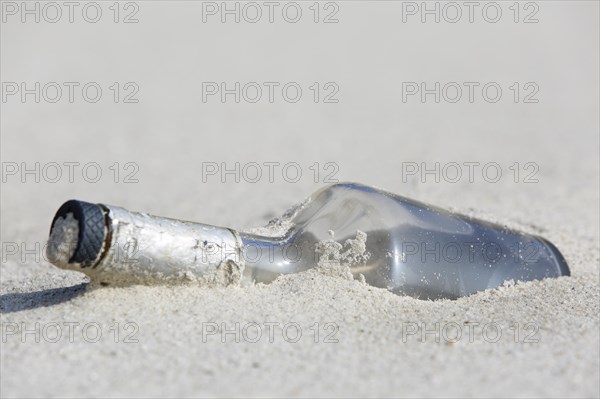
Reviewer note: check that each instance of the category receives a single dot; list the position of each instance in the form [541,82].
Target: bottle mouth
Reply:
[77,235]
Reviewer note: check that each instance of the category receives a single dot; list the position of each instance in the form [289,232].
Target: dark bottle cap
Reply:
[92,230]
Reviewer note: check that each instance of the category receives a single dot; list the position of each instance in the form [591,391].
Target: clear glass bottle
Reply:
[413,248]
[405,246]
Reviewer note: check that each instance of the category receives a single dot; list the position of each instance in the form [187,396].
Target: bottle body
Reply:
[413,249]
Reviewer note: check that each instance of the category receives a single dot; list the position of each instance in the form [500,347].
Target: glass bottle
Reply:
[391,242]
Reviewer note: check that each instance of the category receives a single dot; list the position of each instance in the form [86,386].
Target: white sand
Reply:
[368,135]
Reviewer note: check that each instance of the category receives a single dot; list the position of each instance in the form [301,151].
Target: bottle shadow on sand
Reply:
[17,301]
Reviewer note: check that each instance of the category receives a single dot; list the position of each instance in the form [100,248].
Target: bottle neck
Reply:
[141,248]
[267,257]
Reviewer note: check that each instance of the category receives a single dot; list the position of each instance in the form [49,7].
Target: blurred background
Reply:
[158,119]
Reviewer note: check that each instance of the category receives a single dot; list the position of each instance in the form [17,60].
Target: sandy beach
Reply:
[186,150]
